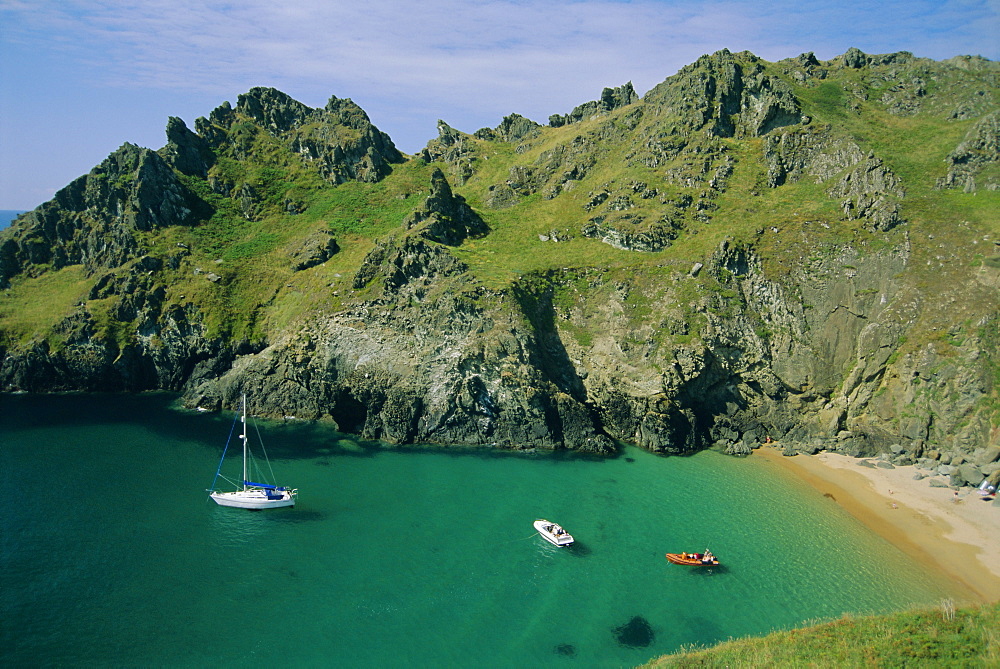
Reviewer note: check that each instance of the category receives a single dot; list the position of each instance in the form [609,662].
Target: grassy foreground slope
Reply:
[945,637]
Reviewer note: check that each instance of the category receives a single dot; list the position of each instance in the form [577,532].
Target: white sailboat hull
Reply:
[253,499]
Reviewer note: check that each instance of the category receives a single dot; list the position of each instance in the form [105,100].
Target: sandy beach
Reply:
[959,539]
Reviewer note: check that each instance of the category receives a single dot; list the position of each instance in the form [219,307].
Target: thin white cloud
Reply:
[501,47]
[199,45]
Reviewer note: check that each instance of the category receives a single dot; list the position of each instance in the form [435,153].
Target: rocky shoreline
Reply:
[940,469]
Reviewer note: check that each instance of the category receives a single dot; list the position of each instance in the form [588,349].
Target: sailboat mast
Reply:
[244,438]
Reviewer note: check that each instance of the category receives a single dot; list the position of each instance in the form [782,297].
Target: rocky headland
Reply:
[804,251]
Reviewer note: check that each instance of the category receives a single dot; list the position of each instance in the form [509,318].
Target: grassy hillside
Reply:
[942,637]
[708,186]
[822,199]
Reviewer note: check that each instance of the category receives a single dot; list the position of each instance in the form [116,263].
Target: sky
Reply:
[78,78]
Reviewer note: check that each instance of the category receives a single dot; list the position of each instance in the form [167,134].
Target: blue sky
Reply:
[80,77]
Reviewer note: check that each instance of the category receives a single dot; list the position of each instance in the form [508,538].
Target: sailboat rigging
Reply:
[251,495]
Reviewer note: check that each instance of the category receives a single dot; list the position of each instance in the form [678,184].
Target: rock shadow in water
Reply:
[636,633]
[567,649]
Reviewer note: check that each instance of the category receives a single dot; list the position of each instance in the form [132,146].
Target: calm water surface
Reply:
[112,553]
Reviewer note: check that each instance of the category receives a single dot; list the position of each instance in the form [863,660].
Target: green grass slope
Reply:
[683,167]
[945,637]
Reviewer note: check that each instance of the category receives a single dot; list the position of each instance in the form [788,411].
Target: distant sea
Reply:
[113,554]
[8,215]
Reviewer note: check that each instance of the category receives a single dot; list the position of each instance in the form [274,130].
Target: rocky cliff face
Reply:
[729,258]
[428,359]
[976,156]
[729,95]
[97,221]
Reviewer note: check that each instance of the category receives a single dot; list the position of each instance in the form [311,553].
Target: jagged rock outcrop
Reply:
[866,188]
[870,192]
[96,220]
[453,148]
[978,151]
[522,181]
[273,110]
[728,95]
[444,216]
[805,68]
[629,234]
[513,128]
[314,250]
[338,141]
[856,58]
[412,263]
[611,99]
[187,151]
[810,151]
[618,224]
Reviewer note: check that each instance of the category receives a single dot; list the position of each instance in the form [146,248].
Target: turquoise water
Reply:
[113,555]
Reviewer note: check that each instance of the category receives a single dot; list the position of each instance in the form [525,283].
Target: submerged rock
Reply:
[567,649]
[636,633]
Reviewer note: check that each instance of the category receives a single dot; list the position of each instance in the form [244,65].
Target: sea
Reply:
[113,555]
[8,215]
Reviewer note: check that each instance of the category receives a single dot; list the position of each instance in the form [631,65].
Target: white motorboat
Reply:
[250,495]
[553,533]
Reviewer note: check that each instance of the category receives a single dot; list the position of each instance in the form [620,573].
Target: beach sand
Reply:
[960,540]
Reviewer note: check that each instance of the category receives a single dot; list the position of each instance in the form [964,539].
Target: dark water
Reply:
[112,554]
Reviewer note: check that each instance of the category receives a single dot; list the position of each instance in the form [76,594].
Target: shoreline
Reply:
[958,540]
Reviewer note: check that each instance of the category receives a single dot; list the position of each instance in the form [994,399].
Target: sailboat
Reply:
[251,495]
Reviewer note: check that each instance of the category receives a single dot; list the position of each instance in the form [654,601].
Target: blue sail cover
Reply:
[262,485]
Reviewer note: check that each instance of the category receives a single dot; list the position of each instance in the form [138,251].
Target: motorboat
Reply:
[553,533]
